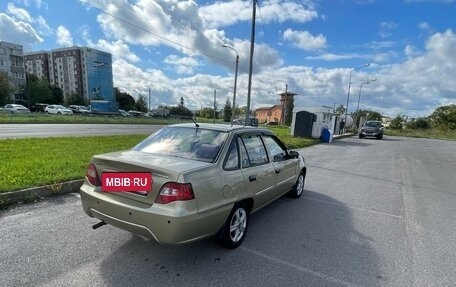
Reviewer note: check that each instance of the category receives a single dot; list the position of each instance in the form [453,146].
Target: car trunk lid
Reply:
[163,169]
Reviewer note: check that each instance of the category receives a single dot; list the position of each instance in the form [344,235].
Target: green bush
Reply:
[421,123]
[396,123]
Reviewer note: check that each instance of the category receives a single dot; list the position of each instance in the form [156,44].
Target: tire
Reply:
[298,188]
[360,136]
[235,229]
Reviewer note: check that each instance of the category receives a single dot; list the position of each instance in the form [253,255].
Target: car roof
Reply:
[223,127]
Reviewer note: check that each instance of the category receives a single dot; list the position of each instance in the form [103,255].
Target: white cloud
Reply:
[118,49]
[64,37]
[386,29]
[28,3]
[44,29]
[17,31]
[336,57]
[222,14]
[178,25]
[185,65]
[304,40]
[19,13]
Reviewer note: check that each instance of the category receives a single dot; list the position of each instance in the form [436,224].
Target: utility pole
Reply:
[252,47]
[215,99]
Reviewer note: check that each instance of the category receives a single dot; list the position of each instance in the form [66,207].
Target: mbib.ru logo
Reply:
[126,181]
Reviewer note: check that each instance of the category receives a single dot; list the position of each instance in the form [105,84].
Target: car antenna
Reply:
[196,125]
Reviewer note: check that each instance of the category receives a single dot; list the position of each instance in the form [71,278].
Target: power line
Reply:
[158,35]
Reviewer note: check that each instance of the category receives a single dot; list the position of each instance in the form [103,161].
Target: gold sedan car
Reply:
[205,180]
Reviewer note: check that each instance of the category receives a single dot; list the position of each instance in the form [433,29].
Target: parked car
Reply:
[136,113]
[272,123]
[124,113]
[15,109]
[38,107]
[371,129]
[78,109]
[58,110]
[252,122]
[206,181]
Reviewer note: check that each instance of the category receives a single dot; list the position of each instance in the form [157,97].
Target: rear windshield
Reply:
[191,143]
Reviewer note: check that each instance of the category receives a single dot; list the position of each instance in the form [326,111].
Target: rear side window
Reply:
[232,160]
[253,151]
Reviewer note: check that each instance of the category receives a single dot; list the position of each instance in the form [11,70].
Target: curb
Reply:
[31,194]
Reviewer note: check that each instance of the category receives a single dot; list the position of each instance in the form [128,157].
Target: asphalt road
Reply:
[374,213]
[63,130]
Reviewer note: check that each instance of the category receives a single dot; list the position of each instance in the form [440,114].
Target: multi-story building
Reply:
[97,75]
[12,63]
[65,70]
[83,71]
[37,63]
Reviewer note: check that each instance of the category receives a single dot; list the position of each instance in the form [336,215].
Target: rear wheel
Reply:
[235,228]
[298,188]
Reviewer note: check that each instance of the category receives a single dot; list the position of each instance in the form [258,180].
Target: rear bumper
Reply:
[173,223]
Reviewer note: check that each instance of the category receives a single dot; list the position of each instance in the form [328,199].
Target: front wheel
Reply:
[298,188]
[235,228]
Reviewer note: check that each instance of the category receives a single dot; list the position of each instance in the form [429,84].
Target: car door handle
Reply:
[277,171]
[252,178]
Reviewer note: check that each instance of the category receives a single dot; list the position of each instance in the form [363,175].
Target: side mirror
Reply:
[293,154]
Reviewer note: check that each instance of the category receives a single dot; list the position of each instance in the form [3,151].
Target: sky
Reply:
[313,48]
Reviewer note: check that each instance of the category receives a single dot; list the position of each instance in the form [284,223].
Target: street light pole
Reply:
[349,85]
[235,81]
[359,95]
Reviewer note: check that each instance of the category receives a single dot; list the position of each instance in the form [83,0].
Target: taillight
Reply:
[173,191]
[92,175]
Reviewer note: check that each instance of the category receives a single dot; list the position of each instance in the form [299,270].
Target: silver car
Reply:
[16,109]
[205,181]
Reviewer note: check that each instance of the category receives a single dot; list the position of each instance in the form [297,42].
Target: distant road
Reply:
[65,130]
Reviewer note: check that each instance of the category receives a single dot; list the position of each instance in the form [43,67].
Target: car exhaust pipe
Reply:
[99,224]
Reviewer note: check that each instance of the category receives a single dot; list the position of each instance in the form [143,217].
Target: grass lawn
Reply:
[37,161]
[423,133]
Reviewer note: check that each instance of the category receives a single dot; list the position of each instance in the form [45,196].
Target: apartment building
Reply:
[37,63]
[83,71]
[12,63]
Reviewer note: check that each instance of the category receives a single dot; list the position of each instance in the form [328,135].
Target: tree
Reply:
[75,99]
[39,91]
[340,110]
[5,88]
[141,104]
[126,102]
[420,123]
[289,112]
[56,95]
[396,123]
[227,111]
[444,117]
